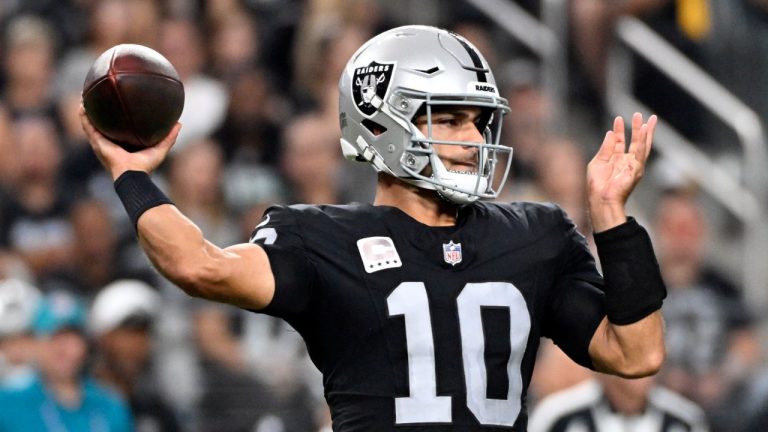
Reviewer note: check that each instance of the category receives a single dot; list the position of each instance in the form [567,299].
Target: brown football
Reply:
[133,96]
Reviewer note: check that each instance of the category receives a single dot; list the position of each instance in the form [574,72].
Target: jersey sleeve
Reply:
[279,234]
[577,302]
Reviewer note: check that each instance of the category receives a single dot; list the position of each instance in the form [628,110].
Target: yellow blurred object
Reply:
[694,19]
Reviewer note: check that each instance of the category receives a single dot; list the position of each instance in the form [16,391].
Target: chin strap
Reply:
[458,181]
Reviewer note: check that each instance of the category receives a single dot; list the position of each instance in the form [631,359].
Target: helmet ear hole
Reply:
[373,127]
[484,120]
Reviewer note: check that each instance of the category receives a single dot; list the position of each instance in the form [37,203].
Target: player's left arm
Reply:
[629,342]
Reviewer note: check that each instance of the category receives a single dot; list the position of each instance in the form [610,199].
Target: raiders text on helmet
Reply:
[405,72]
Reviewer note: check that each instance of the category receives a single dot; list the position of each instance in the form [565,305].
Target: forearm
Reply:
[630,340]
[239,275]
[172,243]
[633,350]
[605,216]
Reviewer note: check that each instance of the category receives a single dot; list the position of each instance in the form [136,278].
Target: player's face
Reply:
[454,124]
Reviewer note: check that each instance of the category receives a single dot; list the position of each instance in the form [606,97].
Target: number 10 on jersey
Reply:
[423,405]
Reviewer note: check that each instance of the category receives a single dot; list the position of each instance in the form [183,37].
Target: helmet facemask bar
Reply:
[459,187]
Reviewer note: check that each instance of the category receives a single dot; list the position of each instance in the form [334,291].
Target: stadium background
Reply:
[261,127]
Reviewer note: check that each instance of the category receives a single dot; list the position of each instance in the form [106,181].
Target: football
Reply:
[133,96]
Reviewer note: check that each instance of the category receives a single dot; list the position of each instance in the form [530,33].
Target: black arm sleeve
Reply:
[633,284]
[576,305]
[577,313]
[294,275]
[279,234]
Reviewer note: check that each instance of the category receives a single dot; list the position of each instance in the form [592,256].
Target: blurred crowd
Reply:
[81,305]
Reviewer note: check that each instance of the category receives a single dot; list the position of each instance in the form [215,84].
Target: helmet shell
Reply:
[396,75]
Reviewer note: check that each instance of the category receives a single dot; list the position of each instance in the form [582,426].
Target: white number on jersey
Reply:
[423,405]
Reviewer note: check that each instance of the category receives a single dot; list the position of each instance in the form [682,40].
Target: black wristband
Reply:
[138,194]
[633,284]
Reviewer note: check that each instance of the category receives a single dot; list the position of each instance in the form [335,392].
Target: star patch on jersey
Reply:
[452,252]
[378,253]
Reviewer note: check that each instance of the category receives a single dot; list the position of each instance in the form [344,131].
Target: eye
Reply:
[447,121]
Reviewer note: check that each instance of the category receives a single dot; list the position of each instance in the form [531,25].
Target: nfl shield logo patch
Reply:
[452,252]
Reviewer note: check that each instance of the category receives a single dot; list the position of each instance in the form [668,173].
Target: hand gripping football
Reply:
[133,96]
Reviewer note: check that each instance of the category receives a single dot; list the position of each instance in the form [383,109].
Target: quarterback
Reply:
[424,310]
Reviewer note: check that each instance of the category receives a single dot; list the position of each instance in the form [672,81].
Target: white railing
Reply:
[538,37]
[743,197]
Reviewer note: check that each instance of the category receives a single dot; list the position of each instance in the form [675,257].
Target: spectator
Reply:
[58,397]
[712,344]
[610,403]
[255,371]
[311,161]
[18,302]
[205,102]
[121,320]
[35,225]
[560,172]
[7,164]
[29,66]
[98,256]
[532,122]
[234,46]
[195,181]
[146,21]
[554,372]
[250,133]
[321,49]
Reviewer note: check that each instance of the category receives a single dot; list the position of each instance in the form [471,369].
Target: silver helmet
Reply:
[408,71]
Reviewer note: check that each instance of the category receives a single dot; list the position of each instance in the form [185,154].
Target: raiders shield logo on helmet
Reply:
[369,86]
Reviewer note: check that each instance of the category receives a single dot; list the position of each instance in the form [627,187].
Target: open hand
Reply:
[117,160]
[615,170]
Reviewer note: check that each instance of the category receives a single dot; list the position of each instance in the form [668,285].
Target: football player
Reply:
[424,310]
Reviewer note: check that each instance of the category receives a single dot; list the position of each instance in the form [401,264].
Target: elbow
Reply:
[194,279]
[647,364]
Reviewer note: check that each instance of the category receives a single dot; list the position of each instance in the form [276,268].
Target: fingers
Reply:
[606,148]
[638,133]
[84,122]
[642,138]
[613,141]
[618,128]
[88,128]
[652,121]
[638,145]
[640,141]
[167,142]
[90,131]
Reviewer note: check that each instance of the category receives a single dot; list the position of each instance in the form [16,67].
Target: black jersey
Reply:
[431,328]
